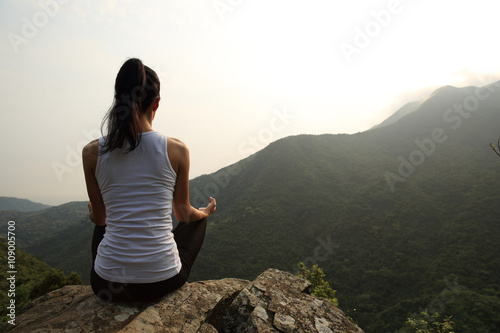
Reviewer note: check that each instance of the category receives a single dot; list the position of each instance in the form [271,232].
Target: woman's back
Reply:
[137,189]
[134,185]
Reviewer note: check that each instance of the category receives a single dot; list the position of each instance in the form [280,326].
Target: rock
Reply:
[77,309]
[274,302]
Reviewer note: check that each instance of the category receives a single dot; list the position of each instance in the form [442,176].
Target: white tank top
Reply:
[137,188]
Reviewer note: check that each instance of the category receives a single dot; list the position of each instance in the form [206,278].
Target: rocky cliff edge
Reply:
[275,301]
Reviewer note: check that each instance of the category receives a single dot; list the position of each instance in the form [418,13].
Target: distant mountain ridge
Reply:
[386,243]
[400,113]
[20,205]
[34,226]
[447,90]
[390,246]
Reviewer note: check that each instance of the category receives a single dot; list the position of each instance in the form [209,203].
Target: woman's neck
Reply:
[147,121]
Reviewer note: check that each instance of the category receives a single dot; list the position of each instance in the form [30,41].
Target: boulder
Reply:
[274,302]
[277,301]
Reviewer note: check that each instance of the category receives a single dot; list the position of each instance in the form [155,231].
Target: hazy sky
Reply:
[236,74]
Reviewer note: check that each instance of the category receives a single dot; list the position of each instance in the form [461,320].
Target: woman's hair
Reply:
[136,88]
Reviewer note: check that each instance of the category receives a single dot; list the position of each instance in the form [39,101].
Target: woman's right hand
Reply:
[212,206]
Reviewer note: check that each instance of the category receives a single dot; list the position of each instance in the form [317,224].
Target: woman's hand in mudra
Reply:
[212,206]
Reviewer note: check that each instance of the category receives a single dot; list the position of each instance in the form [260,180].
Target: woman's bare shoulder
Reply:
[92,148]
[176,144]
[178,154]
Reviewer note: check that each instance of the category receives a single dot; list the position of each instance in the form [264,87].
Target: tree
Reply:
[430,324]
[53,280]
[319,286]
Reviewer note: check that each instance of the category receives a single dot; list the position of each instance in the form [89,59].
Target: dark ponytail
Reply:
[136,88]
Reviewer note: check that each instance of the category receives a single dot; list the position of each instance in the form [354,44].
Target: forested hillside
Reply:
[402,218]
[60,236]
[37,226]
[30,279]
[68,249]
[397,216]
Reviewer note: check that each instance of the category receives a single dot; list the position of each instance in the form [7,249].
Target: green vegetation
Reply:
[53,280]
[430,324]
[60,236]
[430,243]
[319,286]
[33,278]
[69,249]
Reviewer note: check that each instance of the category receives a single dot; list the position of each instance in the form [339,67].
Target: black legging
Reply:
[189,237]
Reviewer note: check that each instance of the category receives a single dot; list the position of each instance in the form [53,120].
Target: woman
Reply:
[135,178]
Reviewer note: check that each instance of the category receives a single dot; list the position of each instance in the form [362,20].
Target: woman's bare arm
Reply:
[96,204]
[178,154]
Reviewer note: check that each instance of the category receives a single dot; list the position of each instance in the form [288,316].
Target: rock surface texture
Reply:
[274,302]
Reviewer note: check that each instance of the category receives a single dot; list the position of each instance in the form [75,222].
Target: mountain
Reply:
[29,271]
[35,226]
[399,217]
[400,113]
[20,205]
[402,218]
[68,249]
[60,236]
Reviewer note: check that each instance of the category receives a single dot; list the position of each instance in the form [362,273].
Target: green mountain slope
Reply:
[20,205]
[68,249]
[27,278]
[35,226]
[402,218]
[390,248]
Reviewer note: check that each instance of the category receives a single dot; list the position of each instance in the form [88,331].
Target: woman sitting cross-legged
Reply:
[136,177]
